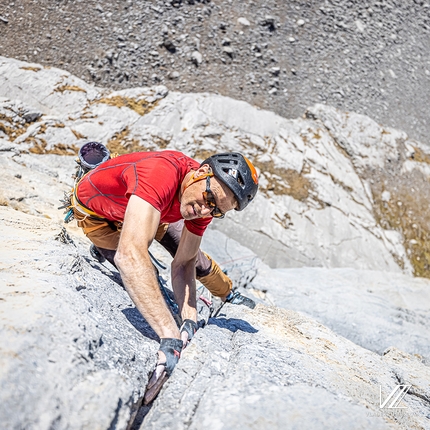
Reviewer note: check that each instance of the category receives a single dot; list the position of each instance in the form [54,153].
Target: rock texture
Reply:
[75,353]
[369,57]
[337,189]
[373,309]
[73,357]
[271,368]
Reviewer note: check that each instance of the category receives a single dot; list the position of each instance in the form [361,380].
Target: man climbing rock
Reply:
[128,201]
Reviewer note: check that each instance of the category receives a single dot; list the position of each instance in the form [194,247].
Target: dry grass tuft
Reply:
[65,87]
[40,144]
[78,135]
[284,220]
[203,154]
[160,142]
[63,149]
[341,184]
[406,212]
[33,69]
[142,107]
[42,129]
[421,156]
[285,181]
[122,143]
[14,129]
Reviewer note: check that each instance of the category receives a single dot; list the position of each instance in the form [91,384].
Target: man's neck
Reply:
[187,180]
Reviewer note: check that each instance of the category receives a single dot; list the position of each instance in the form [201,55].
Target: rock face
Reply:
[271,368]
[75,353]
[73,357]
[373,309]
[324,178]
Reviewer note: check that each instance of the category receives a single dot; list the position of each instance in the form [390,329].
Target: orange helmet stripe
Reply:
[254,174]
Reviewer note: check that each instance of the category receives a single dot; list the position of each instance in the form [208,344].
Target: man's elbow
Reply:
[120,260]
[181,268]
[126,258]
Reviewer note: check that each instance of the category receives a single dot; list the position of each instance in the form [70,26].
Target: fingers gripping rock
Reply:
[172,350]
[188,330]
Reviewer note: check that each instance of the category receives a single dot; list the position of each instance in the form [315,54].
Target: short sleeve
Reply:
[198,226]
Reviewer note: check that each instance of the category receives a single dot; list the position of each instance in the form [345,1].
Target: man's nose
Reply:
[205,211]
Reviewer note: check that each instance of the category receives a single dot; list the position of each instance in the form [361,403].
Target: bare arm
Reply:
[184,274]
[134,264]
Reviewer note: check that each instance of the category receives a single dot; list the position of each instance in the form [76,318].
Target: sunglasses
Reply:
[210,199]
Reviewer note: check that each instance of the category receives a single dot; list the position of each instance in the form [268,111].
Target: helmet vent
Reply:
[240,181]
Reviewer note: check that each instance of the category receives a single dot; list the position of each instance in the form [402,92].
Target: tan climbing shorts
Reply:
[106,234]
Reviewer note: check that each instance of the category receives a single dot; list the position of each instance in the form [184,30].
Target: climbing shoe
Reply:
[95,253]
[235,298]
[188,330]
[172,350]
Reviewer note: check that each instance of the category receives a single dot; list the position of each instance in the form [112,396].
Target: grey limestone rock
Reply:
[243,21]
[270,368]
[196,58]
[373,309]
[75,353]
[376,310]
[66,365]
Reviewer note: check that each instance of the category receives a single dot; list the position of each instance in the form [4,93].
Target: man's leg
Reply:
[103,235]
[106,254]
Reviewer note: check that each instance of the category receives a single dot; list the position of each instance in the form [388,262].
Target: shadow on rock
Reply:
[139,323]
[233,324]
[112,275]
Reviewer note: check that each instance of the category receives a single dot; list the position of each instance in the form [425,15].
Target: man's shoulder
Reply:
[173,157]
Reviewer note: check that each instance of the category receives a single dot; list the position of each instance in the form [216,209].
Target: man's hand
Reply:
[168,356]
[188,330]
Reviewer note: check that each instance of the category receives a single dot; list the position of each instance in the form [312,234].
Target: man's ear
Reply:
[203,170]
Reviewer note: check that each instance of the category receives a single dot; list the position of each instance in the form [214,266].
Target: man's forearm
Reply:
[184,287]
[141,284]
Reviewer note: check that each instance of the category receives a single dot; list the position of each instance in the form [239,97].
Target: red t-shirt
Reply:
[156,177]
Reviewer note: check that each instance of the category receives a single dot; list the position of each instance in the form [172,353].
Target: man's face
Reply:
[193,203]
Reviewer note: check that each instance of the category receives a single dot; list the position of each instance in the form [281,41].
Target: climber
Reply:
[128,201]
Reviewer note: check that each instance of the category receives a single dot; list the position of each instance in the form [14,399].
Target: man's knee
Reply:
[216,281]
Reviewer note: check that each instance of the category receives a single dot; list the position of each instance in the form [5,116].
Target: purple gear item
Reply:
[92,154]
